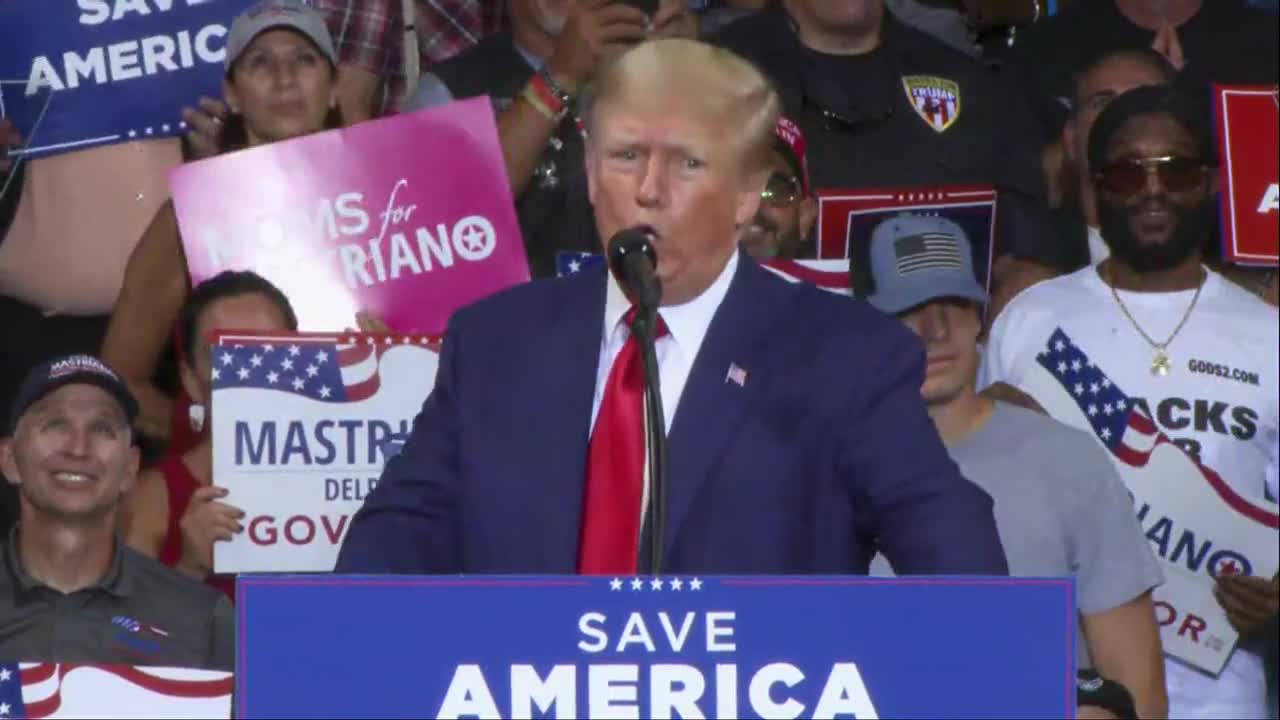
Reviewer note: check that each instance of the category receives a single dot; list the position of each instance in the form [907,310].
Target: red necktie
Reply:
[615,468]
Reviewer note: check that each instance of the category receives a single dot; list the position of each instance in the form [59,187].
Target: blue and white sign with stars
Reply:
[657,647]
[75,74]
[302,426]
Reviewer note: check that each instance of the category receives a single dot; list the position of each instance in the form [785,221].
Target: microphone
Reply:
[634,264]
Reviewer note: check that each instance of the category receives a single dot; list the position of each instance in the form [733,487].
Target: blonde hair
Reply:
[715,81]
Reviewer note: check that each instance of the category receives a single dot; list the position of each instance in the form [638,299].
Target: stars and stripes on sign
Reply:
[1123,427]
[831,275]
[328,368]
[53,690]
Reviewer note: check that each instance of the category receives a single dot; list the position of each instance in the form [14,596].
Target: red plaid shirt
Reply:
[369,34]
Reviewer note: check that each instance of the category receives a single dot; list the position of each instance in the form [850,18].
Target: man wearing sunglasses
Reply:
[1194,351]
[783,226]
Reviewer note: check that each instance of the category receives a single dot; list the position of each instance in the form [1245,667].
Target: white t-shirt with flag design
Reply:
[1220,402]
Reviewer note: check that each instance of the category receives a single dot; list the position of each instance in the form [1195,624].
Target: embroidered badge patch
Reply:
[936,100]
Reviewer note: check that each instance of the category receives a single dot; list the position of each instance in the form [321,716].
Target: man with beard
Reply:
[535,75]
[70,590]
[1194,351]
[783,225]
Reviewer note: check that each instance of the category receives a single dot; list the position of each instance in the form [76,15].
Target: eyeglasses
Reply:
[781,189]
[1128,177]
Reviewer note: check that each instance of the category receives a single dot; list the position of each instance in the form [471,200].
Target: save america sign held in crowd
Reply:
[79,73]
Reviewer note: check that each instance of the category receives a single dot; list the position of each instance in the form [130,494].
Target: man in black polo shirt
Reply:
[70,590]
[534,75]
[883,104]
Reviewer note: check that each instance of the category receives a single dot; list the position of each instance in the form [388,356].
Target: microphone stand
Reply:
[655,436]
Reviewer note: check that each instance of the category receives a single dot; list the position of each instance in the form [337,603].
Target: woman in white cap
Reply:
[280,83]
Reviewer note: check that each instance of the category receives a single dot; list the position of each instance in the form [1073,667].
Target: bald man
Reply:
[798,441]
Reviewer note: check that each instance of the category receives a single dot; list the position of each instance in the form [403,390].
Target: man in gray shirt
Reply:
[70,590]
[1060,505]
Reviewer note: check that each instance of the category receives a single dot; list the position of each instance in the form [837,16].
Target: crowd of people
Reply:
[716,124]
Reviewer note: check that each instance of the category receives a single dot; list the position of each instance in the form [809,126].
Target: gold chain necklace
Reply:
[1160,363]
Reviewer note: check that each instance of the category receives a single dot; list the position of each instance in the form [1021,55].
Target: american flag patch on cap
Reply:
[927,251]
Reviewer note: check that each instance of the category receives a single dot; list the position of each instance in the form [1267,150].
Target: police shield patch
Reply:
[936,100]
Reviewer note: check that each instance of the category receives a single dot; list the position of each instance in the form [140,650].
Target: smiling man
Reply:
[70,590]
[797,436]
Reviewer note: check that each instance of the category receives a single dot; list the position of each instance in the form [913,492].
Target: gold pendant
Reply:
[1160,364]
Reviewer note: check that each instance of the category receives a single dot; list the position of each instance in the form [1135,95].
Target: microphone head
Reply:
[626,245]
[635,263]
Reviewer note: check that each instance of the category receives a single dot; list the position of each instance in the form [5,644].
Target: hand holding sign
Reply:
[205,121]
[206,521]
[1249,601]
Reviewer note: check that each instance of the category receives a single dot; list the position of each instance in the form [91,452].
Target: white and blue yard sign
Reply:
[80,73]
[643,647]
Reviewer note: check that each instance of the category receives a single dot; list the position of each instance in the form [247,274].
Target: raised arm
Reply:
[155,286]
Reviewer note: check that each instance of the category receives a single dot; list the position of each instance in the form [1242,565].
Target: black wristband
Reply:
[1093,689]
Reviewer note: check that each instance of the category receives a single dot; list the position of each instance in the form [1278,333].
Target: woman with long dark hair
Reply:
[280,83]
[175,513]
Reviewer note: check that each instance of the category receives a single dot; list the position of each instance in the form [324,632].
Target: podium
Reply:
[665,647]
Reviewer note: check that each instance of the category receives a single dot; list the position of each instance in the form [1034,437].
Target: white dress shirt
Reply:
[687,327]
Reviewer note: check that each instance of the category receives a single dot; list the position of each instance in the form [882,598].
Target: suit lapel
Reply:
[565,377]
[712,404]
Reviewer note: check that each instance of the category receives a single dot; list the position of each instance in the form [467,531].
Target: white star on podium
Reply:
[637,584]
[656,584]
[695,584]
[615,584]
[676,584]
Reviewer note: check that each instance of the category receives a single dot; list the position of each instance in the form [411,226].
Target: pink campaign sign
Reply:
[408,217]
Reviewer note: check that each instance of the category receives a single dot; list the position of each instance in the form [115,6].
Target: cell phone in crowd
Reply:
[648,7]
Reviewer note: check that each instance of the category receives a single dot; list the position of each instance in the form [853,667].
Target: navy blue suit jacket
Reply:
[825,454]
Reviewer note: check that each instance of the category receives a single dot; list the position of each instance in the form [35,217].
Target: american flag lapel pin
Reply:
[736,375]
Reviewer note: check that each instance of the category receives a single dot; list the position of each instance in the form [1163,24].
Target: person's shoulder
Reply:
[162,584]
[836,322]
[1050,294]
[1249,305]
[529,303]
[1040,431]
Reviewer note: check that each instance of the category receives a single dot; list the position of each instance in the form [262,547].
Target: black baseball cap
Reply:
[70,370]
[1180,101]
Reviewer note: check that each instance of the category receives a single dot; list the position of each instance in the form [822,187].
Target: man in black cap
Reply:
[70,590]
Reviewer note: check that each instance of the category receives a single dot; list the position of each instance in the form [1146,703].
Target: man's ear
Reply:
[1069,141]
[589,156]
[808,216]
[134,466]
[190,381]
[8,462]
[749,197]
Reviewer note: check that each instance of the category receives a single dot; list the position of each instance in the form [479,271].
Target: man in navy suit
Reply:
[798,442]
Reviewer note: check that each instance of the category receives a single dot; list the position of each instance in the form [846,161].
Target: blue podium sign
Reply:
[715,647]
